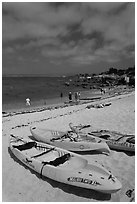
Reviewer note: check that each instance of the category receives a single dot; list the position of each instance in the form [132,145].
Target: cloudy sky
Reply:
[65,38]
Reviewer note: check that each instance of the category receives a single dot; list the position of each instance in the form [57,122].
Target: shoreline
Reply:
[44,102]
[86,97]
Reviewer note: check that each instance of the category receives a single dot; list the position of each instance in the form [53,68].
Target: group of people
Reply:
[76,96]
[103,91]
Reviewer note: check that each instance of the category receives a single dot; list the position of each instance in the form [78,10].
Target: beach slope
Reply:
[20,184]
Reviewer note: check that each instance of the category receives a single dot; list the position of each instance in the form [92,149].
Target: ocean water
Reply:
[16,89]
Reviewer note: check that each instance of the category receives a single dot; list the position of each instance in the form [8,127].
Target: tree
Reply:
[112,70]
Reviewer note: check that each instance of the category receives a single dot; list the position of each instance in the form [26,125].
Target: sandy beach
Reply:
[20,184]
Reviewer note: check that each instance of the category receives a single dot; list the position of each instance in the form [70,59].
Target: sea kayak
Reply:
[116,140]
[63,166]
[68,140]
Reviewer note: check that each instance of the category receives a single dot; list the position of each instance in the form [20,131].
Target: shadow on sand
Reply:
[81,192]
[128,153]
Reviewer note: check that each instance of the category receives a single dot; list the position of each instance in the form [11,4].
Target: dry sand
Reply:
[22,184]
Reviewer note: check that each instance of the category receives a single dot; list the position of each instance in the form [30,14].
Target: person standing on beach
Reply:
[76,96]
[104,91]
[70,96]
[27,102]
[61,95]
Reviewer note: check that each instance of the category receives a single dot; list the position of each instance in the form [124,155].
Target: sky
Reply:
[67,38]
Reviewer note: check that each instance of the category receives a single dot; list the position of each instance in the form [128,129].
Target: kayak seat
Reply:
[131,140]
[25,146]
[59,160]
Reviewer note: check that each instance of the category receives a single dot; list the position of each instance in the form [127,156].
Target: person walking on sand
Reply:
[70,96]
[27,102]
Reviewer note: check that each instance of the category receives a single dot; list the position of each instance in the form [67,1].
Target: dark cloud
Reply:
[76,33]
[119,9]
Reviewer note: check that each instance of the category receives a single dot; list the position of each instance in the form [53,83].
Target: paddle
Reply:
[18,138]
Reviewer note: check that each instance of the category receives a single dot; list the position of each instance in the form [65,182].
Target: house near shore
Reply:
[126,78]
[129,79]
[111,77]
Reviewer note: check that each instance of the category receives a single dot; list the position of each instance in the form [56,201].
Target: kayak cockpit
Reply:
[50,156]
